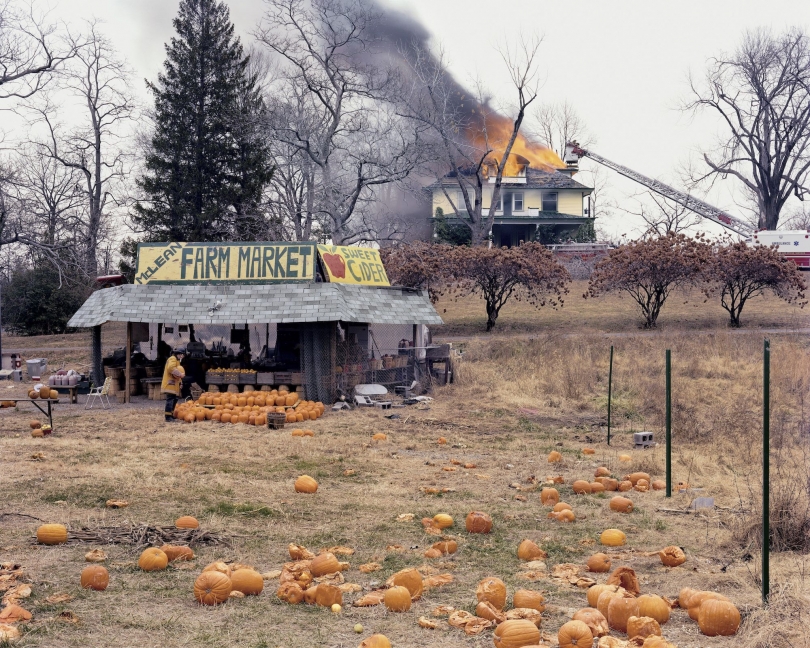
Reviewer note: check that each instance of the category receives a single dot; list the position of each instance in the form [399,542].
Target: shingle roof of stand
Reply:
[255,304]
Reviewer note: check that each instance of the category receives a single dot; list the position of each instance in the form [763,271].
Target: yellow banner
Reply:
[225,262]
[353,265]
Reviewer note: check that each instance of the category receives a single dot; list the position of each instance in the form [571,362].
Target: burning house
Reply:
[537,190]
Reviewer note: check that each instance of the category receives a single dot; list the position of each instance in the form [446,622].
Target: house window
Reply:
[499,205]
[549,202]
[517,202]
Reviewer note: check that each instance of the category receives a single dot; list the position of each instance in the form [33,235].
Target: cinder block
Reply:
[643,440]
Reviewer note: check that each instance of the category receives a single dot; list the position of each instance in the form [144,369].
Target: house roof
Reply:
[535,179]
[255,304]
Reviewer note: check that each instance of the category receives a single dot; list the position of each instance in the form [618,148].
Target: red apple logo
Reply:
[336,265]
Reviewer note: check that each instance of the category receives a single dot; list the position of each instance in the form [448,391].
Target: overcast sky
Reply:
[623,64]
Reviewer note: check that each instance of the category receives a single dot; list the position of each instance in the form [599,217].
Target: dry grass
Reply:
[515,400]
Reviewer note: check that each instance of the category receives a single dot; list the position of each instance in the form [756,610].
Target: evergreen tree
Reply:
[206,167]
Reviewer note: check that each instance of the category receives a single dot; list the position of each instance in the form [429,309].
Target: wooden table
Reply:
[37,403]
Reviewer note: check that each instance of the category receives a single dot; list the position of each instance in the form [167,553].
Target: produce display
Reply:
[251,408]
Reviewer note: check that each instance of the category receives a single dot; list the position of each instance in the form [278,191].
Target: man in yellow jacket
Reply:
[172,384]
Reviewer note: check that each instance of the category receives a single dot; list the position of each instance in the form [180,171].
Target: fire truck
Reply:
[793,244]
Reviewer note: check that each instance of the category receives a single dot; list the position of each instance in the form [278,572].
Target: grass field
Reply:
[516,398]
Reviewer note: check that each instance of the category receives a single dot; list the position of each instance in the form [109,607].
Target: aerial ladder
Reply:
[793,244]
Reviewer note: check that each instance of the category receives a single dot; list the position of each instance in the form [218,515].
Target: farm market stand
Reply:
[324,318]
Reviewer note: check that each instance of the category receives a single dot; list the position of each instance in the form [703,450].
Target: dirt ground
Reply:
[515,400]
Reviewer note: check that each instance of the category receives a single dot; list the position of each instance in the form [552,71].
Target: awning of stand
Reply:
[255,304]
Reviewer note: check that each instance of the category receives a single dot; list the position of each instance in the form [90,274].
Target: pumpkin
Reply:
[549,496]
[612,538]
[626,578]
[95,577]
[566,515]
[324,564]
[625,457]
[621,504]
[397,599]
[597,487]
[581,487]
[290,592]
[575,634]
[220,567]
[410,579]
[625,486]
[45,392]
[657,642]
[653,606]
[35,424]
[620,608]
[610,484]
[634,478]
[177,552]
[698,599]
[718,617]
[247,581]
[327,595]
[492,590]
[375,641]
[598,563]
[659,484]
[594,619]
[561,506]
[642,486]
[305,484]
[672,556]
[446,546]
[212,588]
[487,611]
[642,626]
[685,597]
[528,550]
[153,559]
[528,599]
[588,451]
[379,436]
[433,553]
[554,457]
[602,472]
[605,596]
[478,522]
[442,520]
[525,613]
[187,522]
[52,534]
[594,591]
[516,633]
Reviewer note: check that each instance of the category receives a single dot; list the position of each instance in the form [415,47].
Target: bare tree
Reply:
[97,150]
[558,124]
[761,93]
[30,50]
[473,145]
[799,219]
[345,124]
[663,216]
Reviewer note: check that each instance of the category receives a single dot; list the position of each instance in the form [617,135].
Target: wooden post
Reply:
[128,371]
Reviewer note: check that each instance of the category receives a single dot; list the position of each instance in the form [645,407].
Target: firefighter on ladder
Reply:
[172,384]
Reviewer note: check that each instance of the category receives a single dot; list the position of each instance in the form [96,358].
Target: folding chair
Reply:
[100,393]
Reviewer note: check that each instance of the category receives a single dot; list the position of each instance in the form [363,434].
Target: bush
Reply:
[35,304]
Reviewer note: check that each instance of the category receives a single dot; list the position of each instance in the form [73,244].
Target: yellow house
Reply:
[531,199]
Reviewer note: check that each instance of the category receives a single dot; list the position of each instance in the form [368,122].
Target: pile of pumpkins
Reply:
[251,408]
[44,392]
[38,430]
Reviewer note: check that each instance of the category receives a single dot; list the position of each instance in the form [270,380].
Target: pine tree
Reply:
[206,168]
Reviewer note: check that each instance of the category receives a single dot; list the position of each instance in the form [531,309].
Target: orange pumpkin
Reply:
[174,552]
[581,487]
[153,559]
[95,577]
[599,563]
[620,609]
[516,633]
[478,522]
[653,606]
[642,627]
[409,579]
[212,588]
[575,634]
[718,617]
[247,581]
[594,619]
[672,556]
[549,496]
[554,457]
[187,522]
[397,599]
[305,484]
[528,599]
[492,590]
[375,641]
[52,534]
[528,550]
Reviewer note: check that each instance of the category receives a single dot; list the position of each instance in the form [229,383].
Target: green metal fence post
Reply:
[669,421]
[610,390]
[766,471]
